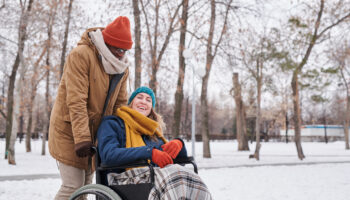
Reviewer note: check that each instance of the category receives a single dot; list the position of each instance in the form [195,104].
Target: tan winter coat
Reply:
[81,95]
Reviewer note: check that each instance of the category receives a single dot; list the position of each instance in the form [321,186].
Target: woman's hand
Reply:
[161,158]
[173,147]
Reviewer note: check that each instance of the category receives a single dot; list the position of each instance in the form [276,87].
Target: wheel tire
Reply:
[101,191]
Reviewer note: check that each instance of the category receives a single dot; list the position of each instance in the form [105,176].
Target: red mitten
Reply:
[161,158]
[173,147]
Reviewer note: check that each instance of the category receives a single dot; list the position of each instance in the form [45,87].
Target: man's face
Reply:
[117,52]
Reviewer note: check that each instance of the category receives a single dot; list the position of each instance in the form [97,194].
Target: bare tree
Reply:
[212,49]
[255,60]
[241,128]
[341,56]
[64,44]
[181,75]
[138,50]
[22,36]
[155,36]
[50,23]
[315,36]
[34,81]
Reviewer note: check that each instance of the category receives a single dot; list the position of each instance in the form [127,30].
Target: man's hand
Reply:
[84,149]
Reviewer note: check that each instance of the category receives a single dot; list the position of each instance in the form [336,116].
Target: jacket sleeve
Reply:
[111,146]
[122,98]
[77,84]
[183,152]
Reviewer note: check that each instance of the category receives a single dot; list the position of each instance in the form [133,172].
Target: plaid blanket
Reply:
[171,182]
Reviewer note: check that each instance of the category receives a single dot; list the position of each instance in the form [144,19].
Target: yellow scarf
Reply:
[136,125]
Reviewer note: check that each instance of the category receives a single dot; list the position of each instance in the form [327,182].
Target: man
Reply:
[81,96]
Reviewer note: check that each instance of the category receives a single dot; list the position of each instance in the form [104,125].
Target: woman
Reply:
[135,134]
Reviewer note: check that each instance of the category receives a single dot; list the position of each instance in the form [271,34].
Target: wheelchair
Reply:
[101,190]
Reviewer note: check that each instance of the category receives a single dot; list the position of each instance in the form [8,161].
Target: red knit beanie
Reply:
[118,33]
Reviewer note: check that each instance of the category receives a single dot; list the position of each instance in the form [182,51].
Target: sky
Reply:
[229,174]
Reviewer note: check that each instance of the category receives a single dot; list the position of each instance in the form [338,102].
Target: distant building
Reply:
[316,133]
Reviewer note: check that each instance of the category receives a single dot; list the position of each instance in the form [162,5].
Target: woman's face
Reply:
[142,103]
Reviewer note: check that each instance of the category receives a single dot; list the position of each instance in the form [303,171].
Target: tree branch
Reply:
[170,32]
[223,28]
[313,39]
[3,114]
[147,26]
[8,39]
[332,25]
[3,4]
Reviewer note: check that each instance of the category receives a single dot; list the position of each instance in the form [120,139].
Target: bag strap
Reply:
[112,85]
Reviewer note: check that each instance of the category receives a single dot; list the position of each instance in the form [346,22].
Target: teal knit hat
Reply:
[143,89]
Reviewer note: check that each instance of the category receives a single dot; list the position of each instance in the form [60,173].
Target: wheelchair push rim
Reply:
[95,191]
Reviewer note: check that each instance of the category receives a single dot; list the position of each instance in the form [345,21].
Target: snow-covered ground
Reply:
[324,173]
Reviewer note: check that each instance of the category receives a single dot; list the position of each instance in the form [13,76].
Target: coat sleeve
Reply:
[111,146]
[122,98]
[77,84]
[183,152]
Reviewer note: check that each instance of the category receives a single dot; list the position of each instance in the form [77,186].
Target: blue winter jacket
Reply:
[112,141]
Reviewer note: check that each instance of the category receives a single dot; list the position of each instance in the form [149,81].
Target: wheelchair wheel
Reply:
[95,191]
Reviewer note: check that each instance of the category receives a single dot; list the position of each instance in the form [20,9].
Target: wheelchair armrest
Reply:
[183,160]
[138,163]
[187,160]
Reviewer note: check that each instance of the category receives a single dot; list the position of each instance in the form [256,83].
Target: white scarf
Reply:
[111,64]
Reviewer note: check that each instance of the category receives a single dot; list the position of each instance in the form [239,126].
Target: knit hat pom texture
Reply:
[118,33]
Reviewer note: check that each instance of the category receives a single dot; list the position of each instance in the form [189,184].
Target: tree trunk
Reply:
[30,117]
[2,100]
[205,116]
[47,107]
[138,50]
[185,124]
[29,129]
[48,66]
[241,130]
[10,101]
[258,111]
[325,129]
[153,83]
[346,124]
[287,123]
[295,84]
[297,115]
[16,115]
[64,44]
[22,32]
[204,93]
[21,124]
[16,110]
[180,79]
[34,86]
[210,55]
[11,149]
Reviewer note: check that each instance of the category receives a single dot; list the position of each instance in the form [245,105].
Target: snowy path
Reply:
[229,174]
[56,175]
